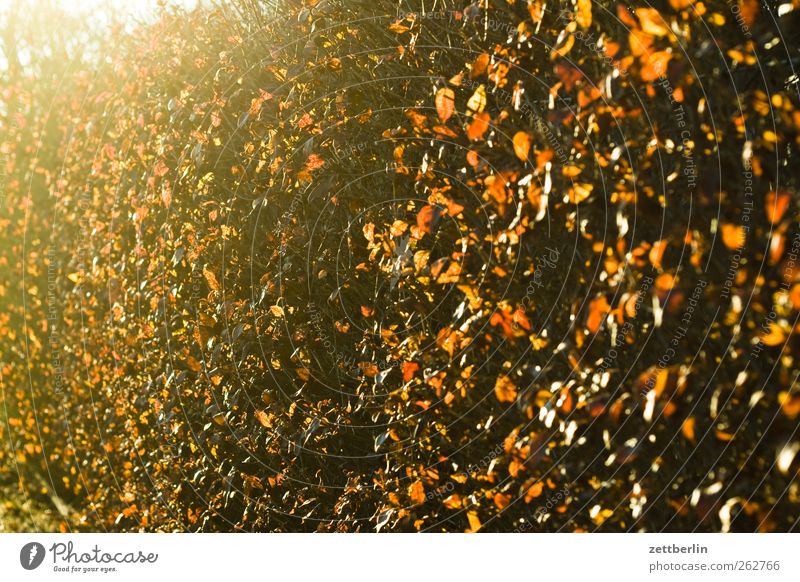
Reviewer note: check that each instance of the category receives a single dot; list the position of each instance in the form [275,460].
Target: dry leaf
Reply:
[416,491]
[775,336]
[477,103]
[211,279]
[733,236]
[478,126]
[688,429]
[479,66]
[583,16]
[522,145]
[652,22]
[445,103]
[474,522]
[504,389]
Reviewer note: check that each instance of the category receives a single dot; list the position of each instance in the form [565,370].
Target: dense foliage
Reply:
[357,266]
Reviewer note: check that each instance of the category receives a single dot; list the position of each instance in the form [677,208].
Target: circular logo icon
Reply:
[31,555]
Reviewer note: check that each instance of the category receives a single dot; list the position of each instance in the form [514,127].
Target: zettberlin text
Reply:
[673,549]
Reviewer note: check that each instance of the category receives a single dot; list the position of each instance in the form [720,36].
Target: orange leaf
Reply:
[497,188]
[427,218]
[775,336]
[534,491]
[580,192]
[522,145]
[733,236]
[416,492]
[445,103]
[409,368]
[598,309]
[161,168]
[688,429]
[479,66]
[474,522]
[656,65]
[398,228]
[398,28]
[776,205]
[657,253]
[536,10]
[501,500]
[478,126]
[211,279]
[504,389]
[453,501]
[748,9]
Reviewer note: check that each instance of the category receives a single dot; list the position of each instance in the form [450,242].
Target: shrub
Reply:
[357,266]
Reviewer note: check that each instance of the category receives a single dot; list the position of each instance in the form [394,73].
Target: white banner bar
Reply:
[398,557]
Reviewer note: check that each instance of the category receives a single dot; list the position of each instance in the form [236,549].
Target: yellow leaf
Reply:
[580,192]
[477,103]
[398,28]
[583,15]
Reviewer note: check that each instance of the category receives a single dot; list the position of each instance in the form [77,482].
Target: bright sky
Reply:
[95,12]
[133,9]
